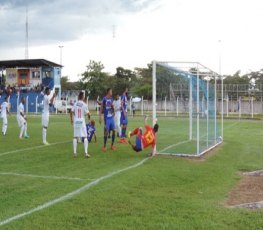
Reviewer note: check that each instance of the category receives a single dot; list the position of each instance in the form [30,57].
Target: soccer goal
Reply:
[190,126]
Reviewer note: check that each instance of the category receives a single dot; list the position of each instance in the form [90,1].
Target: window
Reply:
[36,75]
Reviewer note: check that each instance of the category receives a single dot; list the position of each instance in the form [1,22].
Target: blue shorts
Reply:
[109,124]
[138,142]
[124,120]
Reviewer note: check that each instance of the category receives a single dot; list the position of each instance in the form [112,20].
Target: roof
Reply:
[28,63]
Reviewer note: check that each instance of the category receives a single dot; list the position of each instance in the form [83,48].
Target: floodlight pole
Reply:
[60,47]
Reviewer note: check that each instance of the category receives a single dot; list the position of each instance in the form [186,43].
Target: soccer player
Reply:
[48,101]
[133,109]
[124,115]
[4,112]
[146,139]
[91,131]
[79,110]
[108,110]
[117,116]
[22,120]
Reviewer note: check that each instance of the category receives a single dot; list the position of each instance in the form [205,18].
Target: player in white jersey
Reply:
[117,116]
[22,120]
[78,111]
[4,112]
[48,100]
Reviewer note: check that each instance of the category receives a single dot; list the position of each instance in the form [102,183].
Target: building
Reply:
[31,73]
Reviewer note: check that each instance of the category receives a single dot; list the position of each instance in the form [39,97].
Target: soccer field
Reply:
[44,187]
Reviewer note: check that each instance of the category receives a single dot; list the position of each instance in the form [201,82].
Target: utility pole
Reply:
[26,39]
[60,47]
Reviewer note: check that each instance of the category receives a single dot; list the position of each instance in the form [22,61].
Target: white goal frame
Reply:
[154,105]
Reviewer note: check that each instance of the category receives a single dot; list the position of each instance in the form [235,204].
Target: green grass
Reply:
[163,193]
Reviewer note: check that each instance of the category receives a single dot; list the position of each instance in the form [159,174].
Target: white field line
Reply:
[230,126]
[76,192]
[253,205]
[258,173]
[44,177]
[71,194]
[32,148]
[170,146]
[183,142]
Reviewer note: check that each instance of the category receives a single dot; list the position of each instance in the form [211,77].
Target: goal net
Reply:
[191,126]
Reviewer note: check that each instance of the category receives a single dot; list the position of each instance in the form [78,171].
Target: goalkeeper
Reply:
[143,140]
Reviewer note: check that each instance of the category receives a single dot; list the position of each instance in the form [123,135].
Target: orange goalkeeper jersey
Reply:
[149,137]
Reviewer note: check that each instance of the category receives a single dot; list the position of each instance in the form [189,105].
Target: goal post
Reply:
[154,92]
[189,88]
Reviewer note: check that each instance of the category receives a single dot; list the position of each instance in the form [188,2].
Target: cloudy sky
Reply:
[132,33]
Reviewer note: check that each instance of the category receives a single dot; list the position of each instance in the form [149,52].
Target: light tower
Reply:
[113,31]
[60,47]
[26,40]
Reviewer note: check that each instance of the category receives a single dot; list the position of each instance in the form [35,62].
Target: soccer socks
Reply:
[118,129]
[4,128]
[75,142]
[86,144]
[123,132]
[105,141]
[112,138]
[22,128]
[25,130]
[44,135]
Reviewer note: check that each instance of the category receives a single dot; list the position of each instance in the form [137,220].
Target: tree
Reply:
[67,85]
[237,79]
[143,84]
[95,81]
[123,78]
[256,77]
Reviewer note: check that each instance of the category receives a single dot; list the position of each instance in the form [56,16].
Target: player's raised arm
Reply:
[52,99]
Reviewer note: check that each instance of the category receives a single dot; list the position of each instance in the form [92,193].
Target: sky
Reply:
[132,33]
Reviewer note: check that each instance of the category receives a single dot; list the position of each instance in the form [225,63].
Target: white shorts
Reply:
[45,120]
[80,130]
[4,120]
[117,119]
[20,120]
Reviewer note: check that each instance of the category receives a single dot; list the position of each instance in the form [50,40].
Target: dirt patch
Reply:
[249,191]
